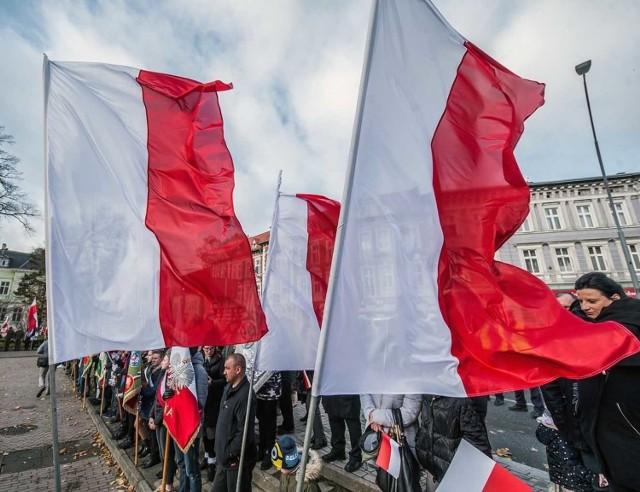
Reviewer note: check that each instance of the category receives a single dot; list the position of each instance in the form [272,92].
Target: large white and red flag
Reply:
[32,319]
[181,411]
[473,471]
[300,251]
[5,327]
[418,304]
[145,248]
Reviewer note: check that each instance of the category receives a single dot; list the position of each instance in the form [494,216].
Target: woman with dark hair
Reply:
[612,399]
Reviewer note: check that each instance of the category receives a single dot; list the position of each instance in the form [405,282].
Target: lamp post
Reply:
[582,69]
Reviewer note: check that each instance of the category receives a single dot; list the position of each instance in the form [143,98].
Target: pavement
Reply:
[90,459]
[26,440]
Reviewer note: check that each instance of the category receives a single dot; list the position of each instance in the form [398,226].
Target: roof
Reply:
[261,238]
[578,181]
[17,259]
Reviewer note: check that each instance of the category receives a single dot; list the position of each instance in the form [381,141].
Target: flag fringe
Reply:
[191,439]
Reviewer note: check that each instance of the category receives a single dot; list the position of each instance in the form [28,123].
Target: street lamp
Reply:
[582,69]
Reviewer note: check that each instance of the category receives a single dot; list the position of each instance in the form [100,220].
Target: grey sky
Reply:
[296,65]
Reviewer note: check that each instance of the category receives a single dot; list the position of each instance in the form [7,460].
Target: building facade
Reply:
[14,265]
[570,231]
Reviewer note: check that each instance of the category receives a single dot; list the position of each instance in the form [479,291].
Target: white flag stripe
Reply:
[292,340]
[96,213]
[469,470]
[385,299]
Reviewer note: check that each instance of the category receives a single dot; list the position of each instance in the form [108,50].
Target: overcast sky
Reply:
[296,67]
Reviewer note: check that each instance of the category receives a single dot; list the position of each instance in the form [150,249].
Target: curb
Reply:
[120,456]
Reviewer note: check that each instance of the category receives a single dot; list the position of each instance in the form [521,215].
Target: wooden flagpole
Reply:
[165,461]
[135,460]
[102,398]
[84,391]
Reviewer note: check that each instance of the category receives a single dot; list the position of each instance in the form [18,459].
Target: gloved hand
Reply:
[168,393]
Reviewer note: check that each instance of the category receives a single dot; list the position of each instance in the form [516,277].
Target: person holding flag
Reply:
[183,412]
[43,366]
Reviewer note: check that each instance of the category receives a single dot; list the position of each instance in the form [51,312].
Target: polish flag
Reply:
[473,471]
[145,248]
[434,191]
[5,327]
[181,412]
[389,456]
[32,319]
[300,252]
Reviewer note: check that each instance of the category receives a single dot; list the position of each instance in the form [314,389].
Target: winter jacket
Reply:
[561,398]
[565,465]
[289,483]
[157,412]
[271,389]
[444,422]
[378,409]
[228,441]
[215,370]
[201,378]
[342,406]
[618,415]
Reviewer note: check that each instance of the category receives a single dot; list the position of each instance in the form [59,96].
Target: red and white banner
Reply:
[5,327]
[32,319]
[181,412]
[389,457]
[145,248]
[473,471]
[300,252]
[419,305]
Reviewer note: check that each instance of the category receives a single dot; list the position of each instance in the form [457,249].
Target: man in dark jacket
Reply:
[344,413]
[228,439]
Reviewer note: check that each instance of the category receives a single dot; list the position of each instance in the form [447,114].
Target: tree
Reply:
[33,284]
[13,201]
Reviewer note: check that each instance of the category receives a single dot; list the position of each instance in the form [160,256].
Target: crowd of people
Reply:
[590,427]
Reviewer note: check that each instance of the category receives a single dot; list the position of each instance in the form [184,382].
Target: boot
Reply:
[211,472]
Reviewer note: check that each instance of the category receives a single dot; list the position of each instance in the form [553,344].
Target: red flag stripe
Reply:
[500,480]
[482,199]
[322,223]
[207,286]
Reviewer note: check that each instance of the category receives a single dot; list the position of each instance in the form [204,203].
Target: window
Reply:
[531,260]
[618,210]
[366,246]
[3,313]
[16,315]
[584,216]
[383,239]
[4,263]
[387,280]
[315,253]
[552,215]
[4,287]
[564,260]
[634,249]
[368,282]
[257,263]
[526,226]
[596,254]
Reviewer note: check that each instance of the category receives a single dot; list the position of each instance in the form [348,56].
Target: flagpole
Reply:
[245,430]
[165,462]
[102,397]
[137,427]
[255,361]
[52,367]
[339,243]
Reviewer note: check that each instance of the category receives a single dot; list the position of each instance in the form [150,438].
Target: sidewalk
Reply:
[87,462]
[26,462]
[337,479]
